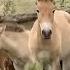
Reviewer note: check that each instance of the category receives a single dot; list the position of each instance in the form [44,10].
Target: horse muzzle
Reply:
[47,33]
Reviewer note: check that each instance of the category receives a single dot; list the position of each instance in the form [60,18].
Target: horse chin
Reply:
[47,37]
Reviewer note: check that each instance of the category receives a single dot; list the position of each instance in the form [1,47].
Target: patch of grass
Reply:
[33,66]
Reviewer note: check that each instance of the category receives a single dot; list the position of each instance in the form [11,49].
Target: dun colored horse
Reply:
[43,42]
[44,37]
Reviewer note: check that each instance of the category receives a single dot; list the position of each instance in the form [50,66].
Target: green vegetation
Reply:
[9,7]
[25,6]
[33,66]
[20,6]
[63,4]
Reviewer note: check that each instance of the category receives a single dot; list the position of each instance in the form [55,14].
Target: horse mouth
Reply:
[47,37]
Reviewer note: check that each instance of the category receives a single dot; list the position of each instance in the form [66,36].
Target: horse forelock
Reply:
[46,2]
[52,1]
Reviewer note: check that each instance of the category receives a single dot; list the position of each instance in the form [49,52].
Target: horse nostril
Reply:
[50,32]
[46,33]
[43,32]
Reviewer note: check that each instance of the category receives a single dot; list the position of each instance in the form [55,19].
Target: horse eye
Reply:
[37,11]
[53,11]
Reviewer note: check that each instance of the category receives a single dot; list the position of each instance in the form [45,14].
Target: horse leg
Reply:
[45,66]
[55,65]
[61,64]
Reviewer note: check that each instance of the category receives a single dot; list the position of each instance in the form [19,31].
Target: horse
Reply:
[44,37]
[62,22]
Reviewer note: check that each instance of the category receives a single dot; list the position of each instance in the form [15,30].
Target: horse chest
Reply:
[45,45]
[45,50]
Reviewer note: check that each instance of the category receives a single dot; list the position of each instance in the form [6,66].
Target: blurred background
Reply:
[10,7]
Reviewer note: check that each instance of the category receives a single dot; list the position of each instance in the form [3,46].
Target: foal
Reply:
[44,38]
